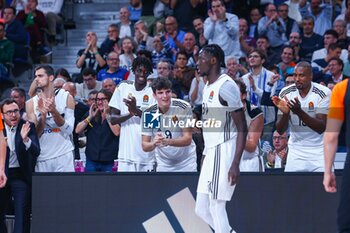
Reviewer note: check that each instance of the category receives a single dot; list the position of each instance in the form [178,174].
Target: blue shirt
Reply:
[135,14]
[118,76]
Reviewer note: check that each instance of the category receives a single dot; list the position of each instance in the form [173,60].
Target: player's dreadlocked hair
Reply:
[142,61]
[216,51]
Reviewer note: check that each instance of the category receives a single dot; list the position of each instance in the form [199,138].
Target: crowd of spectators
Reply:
[285,57]
[262,42]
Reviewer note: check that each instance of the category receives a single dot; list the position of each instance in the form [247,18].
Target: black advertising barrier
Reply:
[164,202]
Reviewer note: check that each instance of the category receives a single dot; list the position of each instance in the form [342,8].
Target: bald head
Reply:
[109,85]
[70,87]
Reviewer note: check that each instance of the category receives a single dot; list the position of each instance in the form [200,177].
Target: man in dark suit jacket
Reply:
[22,151]
[3,178]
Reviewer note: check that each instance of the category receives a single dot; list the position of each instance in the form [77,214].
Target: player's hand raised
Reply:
[281,104]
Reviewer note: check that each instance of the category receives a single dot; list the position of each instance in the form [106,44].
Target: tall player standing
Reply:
[127,103]
[223,146]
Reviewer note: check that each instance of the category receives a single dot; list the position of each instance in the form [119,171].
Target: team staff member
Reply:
[3,177]
[338,113]
[22,152]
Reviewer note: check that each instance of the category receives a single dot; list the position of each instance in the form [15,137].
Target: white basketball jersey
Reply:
[130,139]
[171,158]
[308,143]
[214,111]
[53,142]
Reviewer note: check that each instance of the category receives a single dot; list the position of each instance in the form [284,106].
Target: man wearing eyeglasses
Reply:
[113,71]
[277,158]
[90,84]
[21,155]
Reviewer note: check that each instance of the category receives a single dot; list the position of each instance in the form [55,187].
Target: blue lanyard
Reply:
[254,97]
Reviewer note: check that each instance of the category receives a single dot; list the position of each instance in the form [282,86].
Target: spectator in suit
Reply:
[22,151]
[335,66]
[3,178]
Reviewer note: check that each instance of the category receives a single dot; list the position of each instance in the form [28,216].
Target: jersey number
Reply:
[168,134]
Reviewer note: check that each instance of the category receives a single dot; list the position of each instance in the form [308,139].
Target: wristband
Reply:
[87,121]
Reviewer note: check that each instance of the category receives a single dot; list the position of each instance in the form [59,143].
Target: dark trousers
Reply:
[344,205]
[18,189]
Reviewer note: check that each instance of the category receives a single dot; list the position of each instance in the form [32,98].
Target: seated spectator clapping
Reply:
[277,158]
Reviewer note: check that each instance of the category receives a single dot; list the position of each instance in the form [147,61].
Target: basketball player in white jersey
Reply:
[173,145]
[127,103]
[303,107]
[251,160]
[223,146]
[52,111]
